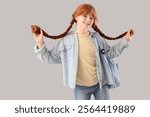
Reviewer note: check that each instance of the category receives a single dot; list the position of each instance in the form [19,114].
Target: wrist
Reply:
[40,44]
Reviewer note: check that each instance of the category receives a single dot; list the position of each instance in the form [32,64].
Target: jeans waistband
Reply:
[80,86]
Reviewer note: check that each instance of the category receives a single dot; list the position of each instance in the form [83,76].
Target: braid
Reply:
[105,36]
[35,29]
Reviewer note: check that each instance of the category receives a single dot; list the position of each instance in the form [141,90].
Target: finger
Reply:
[128,33]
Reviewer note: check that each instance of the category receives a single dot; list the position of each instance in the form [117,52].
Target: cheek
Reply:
[79,19]
[92,22]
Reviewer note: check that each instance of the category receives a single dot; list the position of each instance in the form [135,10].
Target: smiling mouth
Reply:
[87,24]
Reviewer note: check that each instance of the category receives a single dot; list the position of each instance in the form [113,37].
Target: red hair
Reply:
[85,9]
[81,9]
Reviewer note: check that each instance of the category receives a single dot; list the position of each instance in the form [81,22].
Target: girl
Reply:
[78,53]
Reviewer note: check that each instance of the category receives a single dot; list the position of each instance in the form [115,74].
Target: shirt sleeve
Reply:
[47,56]
[117,49]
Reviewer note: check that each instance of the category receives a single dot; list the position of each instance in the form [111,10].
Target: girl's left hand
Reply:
[129,35]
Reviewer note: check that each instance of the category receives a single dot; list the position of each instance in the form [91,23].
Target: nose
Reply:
[88,20]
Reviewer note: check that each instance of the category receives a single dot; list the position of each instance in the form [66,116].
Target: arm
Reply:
[42,53]
[118,48]
[47,56]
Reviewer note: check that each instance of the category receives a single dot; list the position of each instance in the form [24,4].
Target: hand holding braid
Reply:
[82,9]
[127,33]
[35,29]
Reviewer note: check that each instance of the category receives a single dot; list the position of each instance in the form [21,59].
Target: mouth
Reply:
[86,24]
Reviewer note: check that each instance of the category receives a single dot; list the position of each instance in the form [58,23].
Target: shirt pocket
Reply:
[66,52]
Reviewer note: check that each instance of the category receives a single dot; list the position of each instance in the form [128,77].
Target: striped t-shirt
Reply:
[86,72]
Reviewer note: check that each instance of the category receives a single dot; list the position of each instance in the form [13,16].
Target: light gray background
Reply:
[23,76]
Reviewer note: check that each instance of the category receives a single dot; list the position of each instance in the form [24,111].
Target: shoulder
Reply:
[95,34]
[69,35]
[99,38]
[69,39]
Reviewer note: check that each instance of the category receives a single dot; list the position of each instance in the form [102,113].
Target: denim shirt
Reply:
[65,52]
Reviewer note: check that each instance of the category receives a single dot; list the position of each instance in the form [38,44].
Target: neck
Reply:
[80,30]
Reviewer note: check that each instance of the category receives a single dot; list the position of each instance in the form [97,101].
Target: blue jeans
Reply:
[85,92]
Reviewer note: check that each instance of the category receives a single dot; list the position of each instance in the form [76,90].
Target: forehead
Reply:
[89,14]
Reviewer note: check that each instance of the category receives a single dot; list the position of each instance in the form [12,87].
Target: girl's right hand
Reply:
[39,39]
